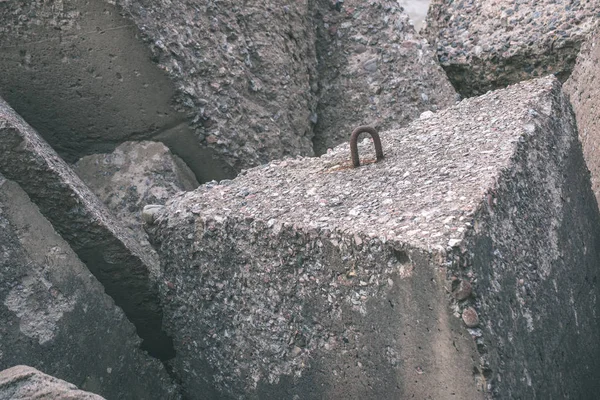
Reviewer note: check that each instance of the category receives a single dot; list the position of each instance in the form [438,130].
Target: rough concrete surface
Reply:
[56,317]
[309,278]
[373,70]
[134,175]
[128,273]
[584,92]
[26,383]
[486,45]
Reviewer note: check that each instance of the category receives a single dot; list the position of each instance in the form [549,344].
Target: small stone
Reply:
[462,289]
[149,213]
[454,242]
[426,115]
[470,317]
[296,350]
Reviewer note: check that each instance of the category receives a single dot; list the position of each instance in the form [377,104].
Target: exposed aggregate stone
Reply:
[486,45]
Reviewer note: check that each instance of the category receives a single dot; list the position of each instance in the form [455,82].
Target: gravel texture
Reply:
[243,72]
[373,70]
[308,277]
[485,45]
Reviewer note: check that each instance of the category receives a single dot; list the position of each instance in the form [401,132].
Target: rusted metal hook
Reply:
[354,144]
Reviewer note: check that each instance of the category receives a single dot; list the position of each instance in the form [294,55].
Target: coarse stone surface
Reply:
[374,69]
[56,317]
[584,92]
[136,174]
[308,277]
[26,383]
[486,45]
[127,272]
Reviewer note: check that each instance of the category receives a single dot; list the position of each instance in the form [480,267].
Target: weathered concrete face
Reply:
[486,45]
[134,175]
[584,92]
[55,315]
[534,251]
[373,70]
[24,383]
[80,71]
[127,272]
[309,277]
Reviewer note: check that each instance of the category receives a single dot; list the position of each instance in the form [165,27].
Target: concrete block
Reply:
[583,91]
[55,316]
[486,45]
[463,265]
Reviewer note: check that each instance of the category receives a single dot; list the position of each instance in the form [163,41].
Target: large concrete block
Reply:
[26,383]
[128,273]
[55,316]
[486,45]
[463,265]
[373,70]
[136,174]
[584,92]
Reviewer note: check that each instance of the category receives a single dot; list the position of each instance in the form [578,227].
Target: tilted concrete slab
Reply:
[463,265]
[489,44]
[127,272]
[55,316]
[583,90]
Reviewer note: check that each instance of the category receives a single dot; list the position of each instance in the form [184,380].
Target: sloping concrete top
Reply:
[435,174]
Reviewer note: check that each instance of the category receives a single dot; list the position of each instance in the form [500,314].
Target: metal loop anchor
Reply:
[354,144]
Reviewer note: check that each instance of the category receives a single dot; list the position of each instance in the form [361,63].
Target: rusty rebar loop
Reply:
[354,144]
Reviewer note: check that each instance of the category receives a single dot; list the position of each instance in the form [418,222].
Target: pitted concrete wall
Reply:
[308,277]
[128,273]
[81,73]
[486,45]
[56,317]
